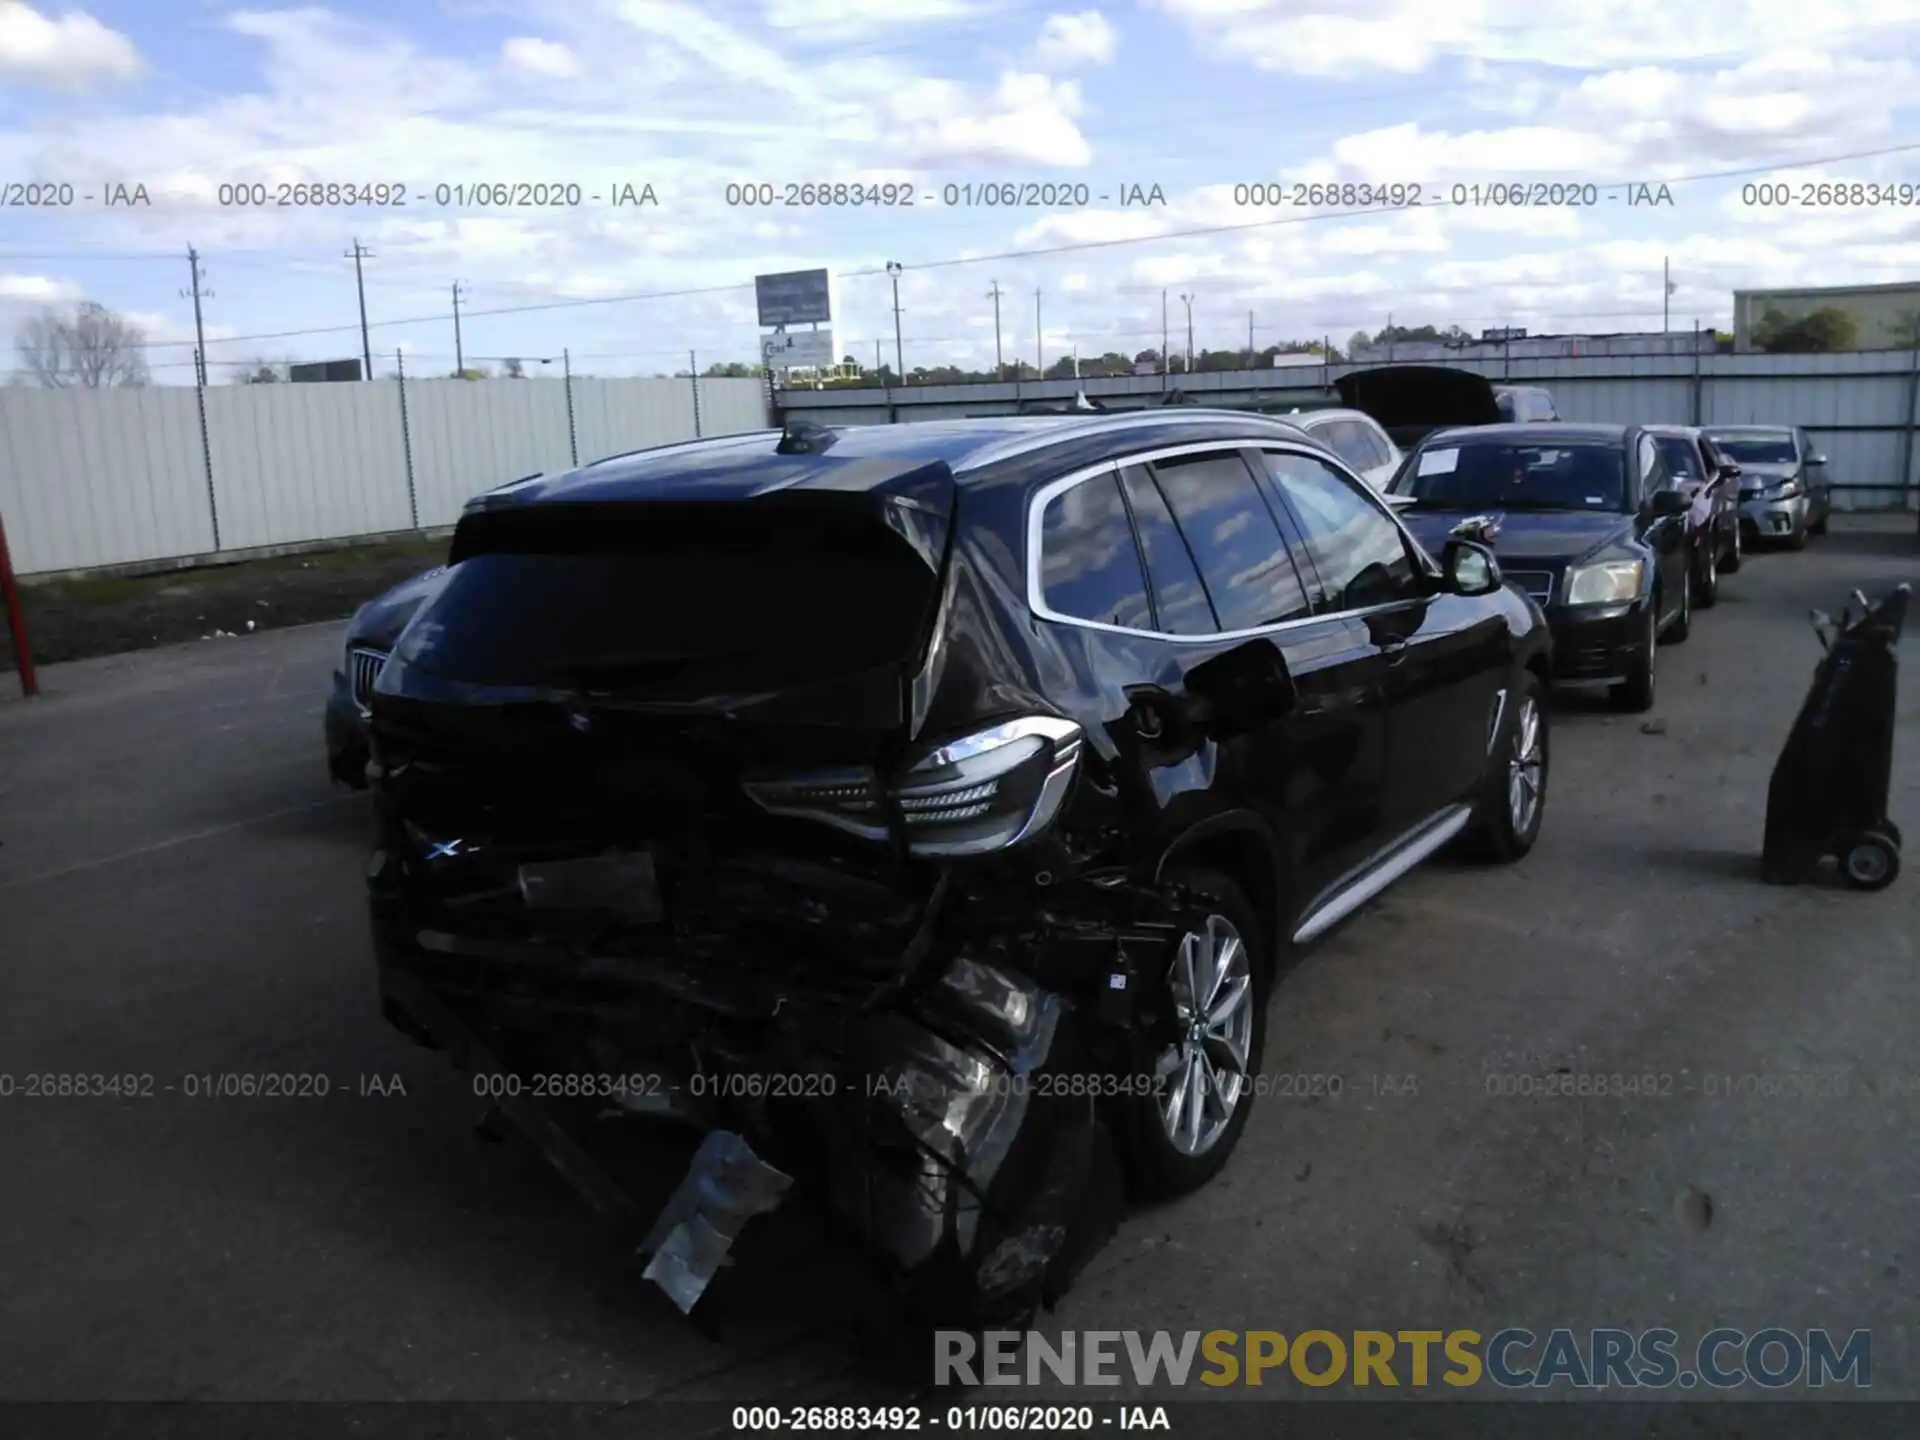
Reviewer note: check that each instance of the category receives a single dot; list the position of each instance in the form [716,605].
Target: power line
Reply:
[1037,252]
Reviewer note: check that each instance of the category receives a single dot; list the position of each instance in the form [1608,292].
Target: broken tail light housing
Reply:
[980,792]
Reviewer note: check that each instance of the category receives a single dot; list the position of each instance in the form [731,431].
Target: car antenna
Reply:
[802,437]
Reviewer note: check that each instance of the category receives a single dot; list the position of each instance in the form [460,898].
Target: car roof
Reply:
[1569,431]
[1664,429]
[1307,419]
[869,457]
[1749,429]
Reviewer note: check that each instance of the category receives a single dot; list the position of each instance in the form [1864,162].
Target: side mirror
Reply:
[1669,502]
[1816,459]
[1470,568]
[1729,471]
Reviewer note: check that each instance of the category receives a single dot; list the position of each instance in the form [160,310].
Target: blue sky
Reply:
[1195,97]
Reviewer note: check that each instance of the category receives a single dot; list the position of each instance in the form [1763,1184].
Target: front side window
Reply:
[1359,554]
[1089,565]
[1234,539]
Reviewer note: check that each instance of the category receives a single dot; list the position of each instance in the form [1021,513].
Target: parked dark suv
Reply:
[926,806]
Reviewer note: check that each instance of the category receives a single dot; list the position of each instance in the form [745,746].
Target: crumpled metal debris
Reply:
[725,1186]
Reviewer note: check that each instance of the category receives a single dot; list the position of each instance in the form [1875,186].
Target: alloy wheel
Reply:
[1203,1076]
[1526,768]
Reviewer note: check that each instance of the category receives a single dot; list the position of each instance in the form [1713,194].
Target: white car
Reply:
[1356,439]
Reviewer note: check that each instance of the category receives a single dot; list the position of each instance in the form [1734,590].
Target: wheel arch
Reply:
[1244,847]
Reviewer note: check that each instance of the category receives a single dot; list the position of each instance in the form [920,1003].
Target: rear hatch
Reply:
[612,670]
[1410,402]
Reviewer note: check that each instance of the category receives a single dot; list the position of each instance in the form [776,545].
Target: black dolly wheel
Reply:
[1870,861]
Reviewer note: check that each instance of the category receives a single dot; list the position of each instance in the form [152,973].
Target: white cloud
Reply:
[839,18]
[37,290]
[1029,119]
[540,57]
[66,53]
[1087,38]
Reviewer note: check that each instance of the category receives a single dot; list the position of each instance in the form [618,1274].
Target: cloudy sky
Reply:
[1199,98]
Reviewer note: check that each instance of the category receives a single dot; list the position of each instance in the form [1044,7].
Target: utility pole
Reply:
[1666,293]
[1187,300]
[196,294]
[999,364]
[1039,338]
[459,355]
[357,254]
[894,268]
[1249,339]
[877,366]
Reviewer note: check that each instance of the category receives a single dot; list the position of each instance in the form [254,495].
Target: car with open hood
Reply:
[1410,402]
[926,807]
[1784,491]
[1586,519]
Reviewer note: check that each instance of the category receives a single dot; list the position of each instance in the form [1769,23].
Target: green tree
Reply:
[1821,331]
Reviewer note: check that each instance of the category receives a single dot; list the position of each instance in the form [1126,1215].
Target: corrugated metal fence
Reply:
[1860,408]
[111,477]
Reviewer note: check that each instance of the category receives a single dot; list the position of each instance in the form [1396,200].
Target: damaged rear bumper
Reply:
[953,1117]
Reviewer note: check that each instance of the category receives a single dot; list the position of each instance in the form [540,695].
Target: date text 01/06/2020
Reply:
[443,195]
[954,195]
[1472,195]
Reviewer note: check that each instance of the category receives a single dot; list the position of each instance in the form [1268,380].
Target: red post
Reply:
[16,618]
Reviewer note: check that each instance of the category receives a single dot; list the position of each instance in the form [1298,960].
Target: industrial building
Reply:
[1885,316]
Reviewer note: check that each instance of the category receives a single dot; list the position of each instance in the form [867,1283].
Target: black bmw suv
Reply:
[923,809]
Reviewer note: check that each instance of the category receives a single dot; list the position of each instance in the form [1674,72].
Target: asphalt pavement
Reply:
[181,899]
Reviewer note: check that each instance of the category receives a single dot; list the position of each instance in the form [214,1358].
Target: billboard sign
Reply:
[799,350]
[798,297]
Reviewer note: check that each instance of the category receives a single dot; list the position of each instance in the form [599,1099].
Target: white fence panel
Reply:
[733,406]
[307,462]
[469,436]
[101,477]
[613,416]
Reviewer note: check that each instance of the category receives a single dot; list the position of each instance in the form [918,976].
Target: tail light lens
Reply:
[968,796]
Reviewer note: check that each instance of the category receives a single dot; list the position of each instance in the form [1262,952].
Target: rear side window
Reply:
[1178,595]
[1349,442]
[1089,565]
[1234,539]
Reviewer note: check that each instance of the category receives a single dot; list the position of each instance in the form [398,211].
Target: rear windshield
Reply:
[1476,473]
[678,610]
[1757,449]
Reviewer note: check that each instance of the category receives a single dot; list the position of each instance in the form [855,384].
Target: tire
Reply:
[1636,692]
[1156,1166]
[1682,625]
[1798,539]
[1821,527]
[1707,582]
[1503,829]
[1736,555]
[1870,861]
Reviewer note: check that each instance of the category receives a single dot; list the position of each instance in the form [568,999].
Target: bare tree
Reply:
[89,349]
[513,369]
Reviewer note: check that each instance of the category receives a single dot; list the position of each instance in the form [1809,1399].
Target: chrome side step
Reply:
[1381,871]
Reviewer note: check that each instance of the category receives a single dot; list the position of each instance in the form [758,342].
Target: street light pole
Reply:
[1163,338]
[999,363]
[1039,338]
[899,356]
[1187,300]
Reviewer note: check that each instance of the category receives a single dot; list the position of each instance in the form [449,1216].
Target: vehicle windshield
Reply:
[1477,474]
[1756,449]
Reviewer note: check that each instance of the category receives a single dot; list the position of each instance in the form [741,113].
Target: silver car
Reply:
[1784,492]
[1356,439]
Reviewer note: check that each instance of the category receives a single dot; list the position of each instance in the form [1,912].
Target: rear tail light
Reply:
[978,793]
